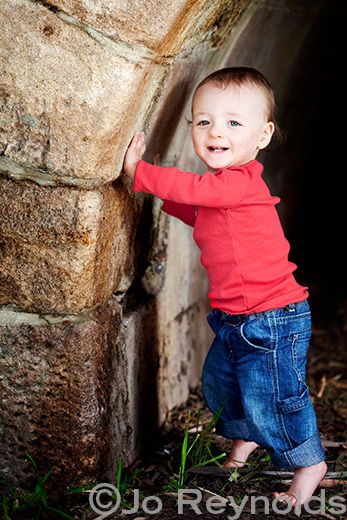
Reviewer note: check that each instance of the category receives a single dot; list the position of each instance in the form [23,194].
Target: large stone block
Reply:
[64,250]
[69,101]
[55,384]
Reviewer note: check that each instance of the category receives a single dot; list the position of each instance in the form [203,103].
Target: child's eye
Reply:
[203,123]
[233,123]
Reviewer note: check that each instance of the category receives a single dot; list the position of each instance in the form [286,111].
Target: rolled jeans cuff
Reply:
[308,453]
[233,429]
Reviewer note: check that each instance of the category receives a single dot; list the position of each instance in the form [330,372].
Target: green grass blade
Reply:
[39,490]
[119,475]
[5,508]
[209,461]
[47,475]
[37,516]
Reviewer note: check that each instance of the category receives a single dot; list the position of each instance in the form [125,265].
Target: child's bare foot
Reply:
[239,453]
[304,483]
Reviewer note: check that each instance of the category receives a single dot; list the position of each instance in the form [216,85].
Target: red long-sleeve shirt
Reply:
[236,227]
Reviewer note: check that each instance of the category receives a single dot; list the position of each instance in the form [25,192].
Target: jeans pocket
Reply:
[293,390]
[257,334]
[294,403]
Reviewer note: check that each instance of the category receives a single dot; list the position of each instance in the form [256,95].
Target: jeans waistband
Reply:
[297,307]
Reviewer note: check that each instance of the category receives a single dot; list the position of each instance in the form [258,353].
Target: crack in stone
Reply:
[136,53]
[20,172]
[10,316]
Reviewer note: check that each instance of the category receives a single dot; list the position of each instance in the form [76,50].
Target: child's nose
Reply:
[215,131]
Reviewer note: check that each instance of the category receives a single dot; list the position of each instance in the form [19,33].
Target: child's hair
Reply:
[248,76]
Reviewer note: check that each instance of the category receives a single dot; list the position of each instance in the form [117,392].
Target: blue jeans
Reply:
[256,367]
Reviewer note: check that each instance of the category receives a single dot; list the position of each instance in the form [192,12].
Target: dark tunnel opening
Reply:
[313,177]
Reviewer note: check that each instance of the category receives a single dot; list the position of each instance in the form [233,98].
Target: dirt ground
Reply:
[326,376]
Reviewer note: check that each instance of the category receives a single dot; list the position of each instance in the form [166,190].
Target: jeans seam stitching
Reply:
[279,416]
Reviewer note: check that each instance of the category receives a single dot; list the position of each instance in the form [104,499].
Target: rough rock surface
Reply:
[63,249]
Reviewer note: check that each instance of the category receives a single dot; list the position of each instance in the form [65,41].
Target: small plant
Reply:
[198,453]
[201,452]
[123,486]
[35,502]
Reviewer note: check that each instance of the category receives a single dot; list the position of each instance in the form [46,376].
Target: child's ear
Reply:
[266,136]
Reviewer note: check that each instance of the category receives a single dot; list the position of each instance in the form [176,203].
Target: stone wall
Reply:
[103,299]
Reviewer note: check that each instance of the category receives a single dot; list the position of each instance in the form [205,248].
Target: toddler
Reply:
[255,368]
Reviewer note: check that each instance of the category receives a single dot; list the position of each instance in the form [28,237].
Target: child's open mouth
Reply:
[217,149]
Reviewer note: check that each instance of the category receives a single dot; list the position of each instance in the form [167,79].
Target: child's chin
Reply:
[218,166]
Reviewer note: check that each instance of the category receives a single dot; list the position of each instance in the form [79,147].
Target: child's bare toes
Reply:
[288,498]
[233,464]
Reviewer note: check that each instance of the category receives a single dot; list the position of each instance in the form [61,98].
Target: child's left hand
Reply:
[134,154]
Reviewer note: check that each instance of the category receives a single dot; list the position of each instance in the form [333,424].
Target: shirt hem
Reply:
[267,306]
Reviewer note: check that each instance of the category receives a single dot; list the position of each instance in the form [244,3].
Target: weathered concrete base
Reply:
[55,387]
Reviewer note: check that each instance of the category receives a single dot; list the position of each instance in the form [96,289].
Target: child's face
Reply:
[230,125]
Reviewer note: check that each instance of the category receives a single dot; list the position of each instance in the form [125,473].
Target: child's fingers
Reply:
[135,140]
[138,142]
[142,142]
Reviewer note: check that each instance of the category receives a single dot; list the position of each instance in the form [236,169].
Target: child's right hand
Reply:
[134,154]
